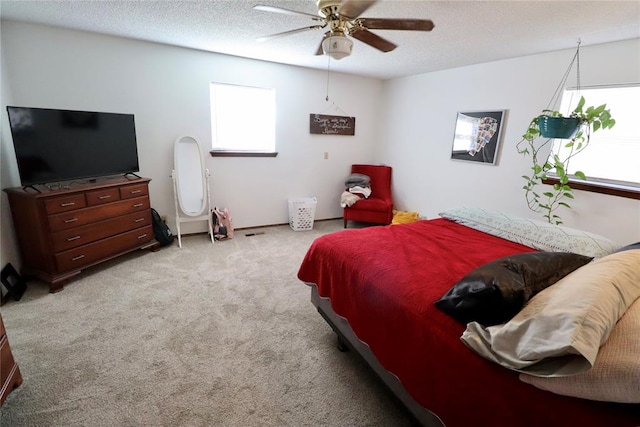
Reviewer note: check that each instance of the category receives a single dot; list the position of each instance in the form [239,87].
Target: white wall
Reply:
[167,88]
[419,121]
[8,172]
[407,123]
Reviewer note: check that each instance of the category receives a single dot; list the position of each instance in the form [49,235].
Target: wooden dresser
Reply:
[10,377]
[61,231]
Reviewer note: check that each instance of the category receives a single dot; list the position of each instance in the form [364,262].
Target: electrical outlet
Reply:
[326,155]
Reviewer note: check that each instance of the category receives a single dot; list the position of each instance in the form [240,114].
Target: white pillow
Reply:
[535,234]
[615,376]
[560,330]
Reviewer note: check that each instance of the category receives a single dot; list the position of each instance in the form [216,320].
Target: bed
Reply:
[377,288]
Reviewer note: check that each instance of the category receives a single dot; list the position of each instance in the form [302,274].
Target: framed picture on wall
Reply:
[477,136]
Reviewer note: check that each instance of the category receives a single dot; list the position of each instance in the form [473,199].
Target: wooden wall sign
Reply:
[323,124]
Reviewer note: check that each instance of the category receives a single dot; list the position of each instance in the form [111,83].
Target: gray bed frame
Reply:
[347,340]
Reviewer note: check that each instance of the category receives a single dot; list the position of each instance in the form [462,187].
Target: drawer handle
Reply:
[64,205]
[107,196]
[135,191]
[142,236]
[76,258]
[138,205]
[67,221]
[71,239]
[138,220]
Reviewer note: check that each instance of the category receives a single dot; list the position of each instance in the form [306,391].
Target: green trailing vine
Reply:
[547,202]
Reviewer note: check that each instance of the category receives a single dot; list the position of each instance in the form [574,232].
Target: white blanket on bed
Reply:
[536,234]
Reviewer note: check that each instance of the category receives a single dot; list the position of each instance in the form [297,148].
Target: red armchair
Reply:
[378,207]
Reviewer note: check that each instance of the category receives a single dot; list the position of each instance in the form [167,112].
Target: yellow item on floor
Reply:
[401,217]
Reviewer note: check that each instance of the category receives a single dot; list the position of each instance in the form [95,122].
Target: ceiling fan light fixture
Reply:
[337,46]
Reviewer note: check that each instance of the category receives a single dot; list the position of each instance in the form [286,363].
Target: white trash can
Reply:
[302,212]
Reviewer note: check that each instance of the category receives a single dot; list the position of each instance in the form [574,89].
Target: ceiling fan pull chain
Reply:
[333,104]
[328,73]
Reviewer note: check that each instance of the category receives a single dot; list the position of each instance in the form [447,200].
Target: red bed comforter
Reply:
[384,281]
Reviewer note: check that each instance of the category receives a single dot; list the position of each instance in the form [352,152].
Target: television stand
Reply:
[131,173]
[63,231]
[31,186]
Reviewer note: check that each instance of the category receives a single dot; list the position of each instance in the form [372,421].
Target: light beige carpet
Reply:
[206,335]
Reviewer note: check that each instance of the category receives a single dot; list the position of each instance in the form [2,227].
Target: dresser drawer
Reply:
[100,197]
[65,221]
[6,360]
[82,235]
[82,256]
[65,203]
[137,190]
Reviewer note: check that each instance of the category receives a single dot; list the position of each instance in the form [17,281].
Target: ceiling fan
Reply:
[342,19]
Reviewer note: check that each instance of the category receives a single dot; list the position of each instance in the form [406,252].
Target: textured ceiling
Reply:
[465,33]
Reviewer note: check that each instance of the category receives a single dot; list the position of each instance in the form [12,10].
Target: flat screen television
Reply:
[54,146]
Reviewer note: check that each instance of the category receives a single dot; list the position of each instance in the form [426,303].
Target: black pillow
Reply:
[494,292]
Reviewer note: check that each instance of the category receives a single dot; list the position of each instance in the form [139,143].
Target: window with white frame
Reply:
[243,119]
[613,155]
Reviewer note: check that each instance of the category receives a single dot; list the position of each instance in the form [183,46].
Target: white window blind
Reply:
[243,118]
[613,155]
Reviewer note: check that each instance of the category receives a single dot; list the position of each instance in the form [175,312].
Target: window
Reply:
[611,159]
[243,120]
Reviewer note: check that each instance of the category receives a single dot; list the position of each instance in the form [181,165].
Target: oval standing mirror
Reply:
[190,176]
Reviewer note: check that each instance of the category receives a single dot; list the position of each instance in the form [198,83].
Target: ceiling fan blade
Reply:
[286,33]
[285,11]
[373,40]
[397,24]
[353,8]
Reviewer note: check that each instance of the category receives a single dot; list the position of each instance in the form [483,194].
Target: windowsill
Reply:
[225,153]
[627,191]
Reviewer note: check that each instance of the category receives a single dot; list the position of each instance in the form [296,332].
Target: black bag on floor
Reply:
[161,230]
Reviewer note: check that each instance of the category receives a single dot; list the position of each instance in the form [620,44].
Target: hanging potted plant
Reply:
[552,125]
[576,128]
